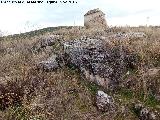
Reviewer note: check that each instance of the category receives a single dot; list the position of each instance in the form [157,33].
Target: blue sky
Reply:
[16,18]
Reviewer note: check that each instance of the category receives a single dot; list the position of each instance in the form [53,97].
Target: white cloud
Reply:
[17,18]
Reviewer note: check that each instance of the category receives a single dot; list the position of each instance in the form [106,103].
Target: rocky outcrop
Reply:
[98,61]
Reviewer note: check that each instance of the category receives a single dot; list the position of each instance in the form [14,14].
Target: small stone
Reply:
[144,114]
[104,102]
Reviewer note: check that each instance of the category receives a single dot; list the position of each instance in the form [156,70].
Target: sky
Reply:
[18,18]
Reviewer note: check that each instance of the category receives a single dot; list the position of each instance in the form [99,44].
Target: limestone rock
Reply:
[45,42]
[152,75]
[98,61]
[104,102]
[48,41]
[144,113]
[48,65]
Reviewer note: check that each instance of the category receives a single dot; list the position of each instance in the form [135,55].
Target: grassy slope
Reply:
[63,94]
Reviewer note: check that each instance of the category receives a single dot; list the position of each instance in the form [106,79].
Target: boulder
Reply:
[98,61]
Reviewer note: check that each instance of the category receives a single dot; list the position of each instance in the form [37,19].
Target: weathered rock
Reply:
[49,65]
[105,102]
[48,41]
[98,61]
[144,113]
[152,77]
[44,42]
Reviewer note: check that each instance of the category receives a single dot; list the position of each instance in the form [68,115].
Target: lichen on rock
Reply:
[99,61]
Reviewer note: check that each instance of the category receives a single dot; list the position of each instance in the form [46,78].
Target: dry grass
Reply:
[30,94]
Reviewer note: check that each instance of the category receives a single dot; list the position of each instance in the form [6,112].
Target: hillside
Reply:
[49,74]
[37,32]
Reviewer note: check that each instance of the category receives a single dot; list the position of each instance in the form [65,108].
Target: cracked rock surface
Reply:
[98,61]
